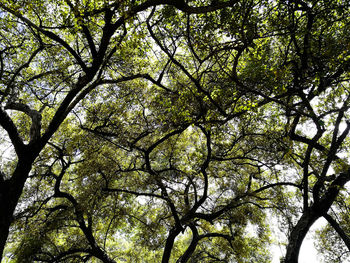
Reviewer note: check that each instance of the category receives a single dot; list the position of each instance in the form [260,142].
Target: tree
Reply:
[317,84]
[168,131]
[76,46]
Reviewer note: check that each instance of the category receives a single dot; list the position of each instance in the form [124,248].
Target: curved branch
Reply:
[195,81]
[96,251]
[183,6]
[10,127]
[49,34]
[192,247]
[33,114]
[133,192]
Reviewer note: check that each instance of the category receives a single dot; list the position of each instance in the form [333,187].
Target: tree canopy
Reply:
[173,131]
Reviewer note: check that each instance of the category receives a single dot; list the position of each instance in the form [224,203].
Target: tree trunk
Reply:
[298,234]
[5,222]
[311,214]
[10,192]
[173,233]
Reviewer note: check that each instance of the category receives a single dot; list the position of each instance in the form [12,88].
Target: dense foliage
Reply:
[173,131]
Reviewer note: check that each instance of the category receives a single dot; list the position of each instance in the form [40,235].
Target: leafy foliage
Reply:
[171,131]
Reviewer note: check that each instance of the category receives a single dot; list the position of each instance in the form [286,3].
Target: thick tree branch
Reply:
[35,128]
[10,127]
[338,229]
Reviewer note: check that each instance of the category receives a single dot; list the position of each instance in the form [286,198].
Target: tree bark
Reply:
[10,192]
[311,214]
[5,218]
[298,234]
[339,230]
[173,233]
[192,247]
